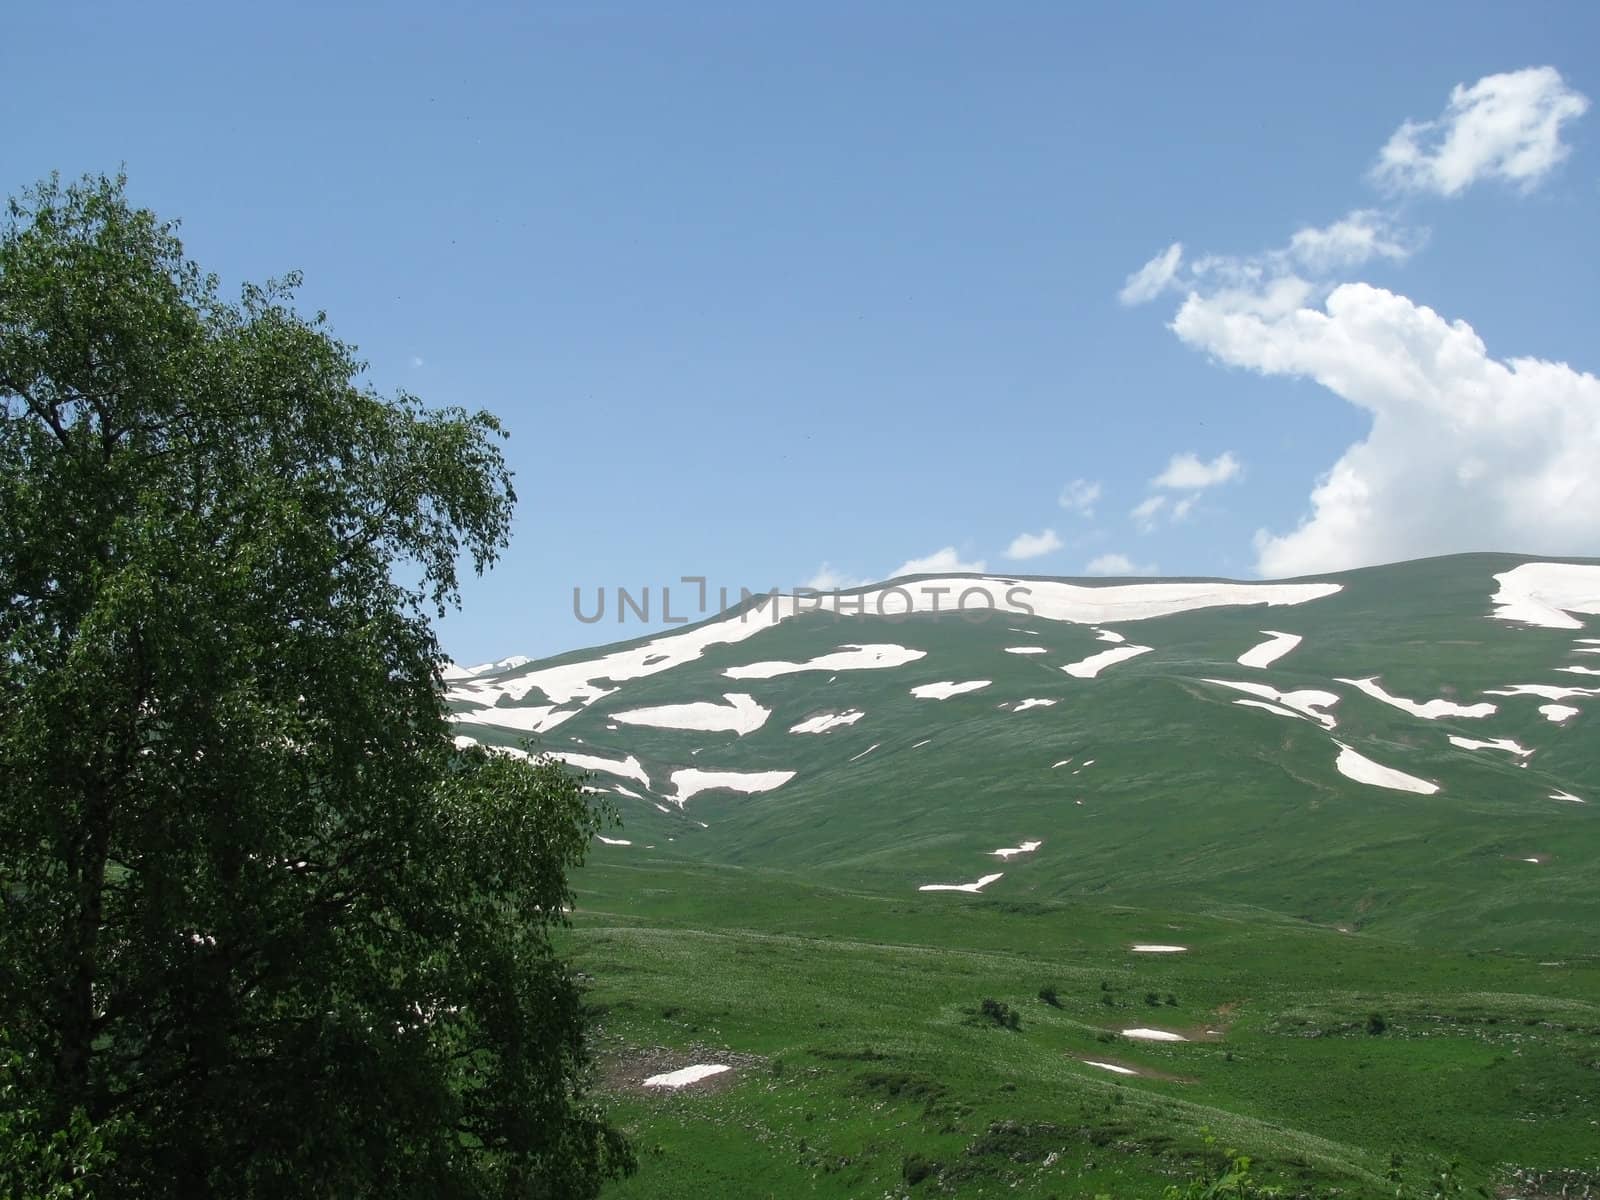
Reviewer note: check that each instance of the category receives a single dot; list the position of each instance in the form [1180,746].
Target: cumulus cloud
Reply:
[1354,239]
[1504,127]
[1188,472]
[1466,452]
[1117,564]
[1080,496]
[1150,280]
[1033,545]
[943,561]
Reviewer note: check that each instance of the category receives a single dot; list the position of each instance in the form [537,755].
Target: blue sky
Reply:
[762,289]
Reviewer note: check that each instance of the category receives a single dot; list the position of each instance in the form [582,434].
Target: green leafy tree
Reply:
[263,927]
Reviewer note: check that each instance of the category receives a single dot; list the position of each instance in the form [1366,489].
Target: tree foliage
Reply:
[262,925]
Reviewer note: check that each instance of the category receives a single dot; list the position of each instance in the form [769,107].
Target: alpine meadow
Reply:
[908,601]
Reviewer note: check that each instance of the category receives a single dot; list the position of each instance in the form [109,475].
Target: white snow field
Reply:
[1545,691]
[1271,650]
[1031,702]
[1157,948]
[690,781]
[1547,594]
[1579,670]
[1025,650]
[1303,703]
[827,721]
[1506,744]
[1362,769]
[1429,710]
[846,658]
[1009,852]
[961,887]
[1153,1035]
[1109,635]
[1088,668]
[685,1076]
[1558,714]
[944,690]
[1049,599]
[741,714]
[537,719]
[1105,1066]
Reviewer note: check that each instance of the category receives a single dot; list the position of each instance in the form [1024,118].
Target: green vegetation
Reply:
[264,931]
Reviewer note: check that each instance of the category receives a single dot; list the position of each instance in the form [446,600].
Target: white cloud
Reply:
[1033,545]
[1080,496]
[1150,280]
[1144,513]
[945,561]
[416,360]
[1187,472]
[1117,564]
[1350,241]
[1466,452]
[1502,127]
[1183,507]
[827,579]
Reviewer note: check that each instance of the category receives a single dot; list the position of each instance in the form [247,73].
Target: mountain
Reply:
[1073,891]
[1409,748]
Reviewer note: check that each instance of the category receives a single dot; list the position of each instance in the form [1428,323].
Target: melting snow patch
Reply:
[943,691]
[1062,763]
[1153,1035]
[1430,710]
[1025,650]
[1150,948]
[960,887]
[1565,796]
[1305,703]
[1506,744]
[740,715]
[1089,667]
[1012,851]
[1544,691]
[1029,632]
[1547,594]
[533,719]
[691,781]
[600,837]
[1109,635]
[827,721]
[1025,705]
[1558,714]
[1580,670]
[846,658]
[922,743]
[1270,707]
[1363,770]
[1269,651]
[1105,1066]
[865,752]
[685,1076]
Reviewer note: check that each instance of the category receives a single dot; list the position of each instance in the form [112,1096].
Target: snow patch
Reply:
[628,768]
[1109,635]
[944,690]
[827,721]
[1031,702]
[741,715]
[1304,703]
[690,781]
[1155,948]
[1025,650]
[600,837]
[1269,651]
[1547,594]
[1088,668]
[1153,1035]
[1362,769]
[1430,710]
[846,658]
[961,887]
[1105,1066]
[1506,744]
[1009,852]
[865,752]
[685,1076]
[1558,714]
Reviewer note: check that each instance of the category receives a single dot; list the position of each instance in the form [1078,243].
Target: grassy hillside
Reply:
[1315,876]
